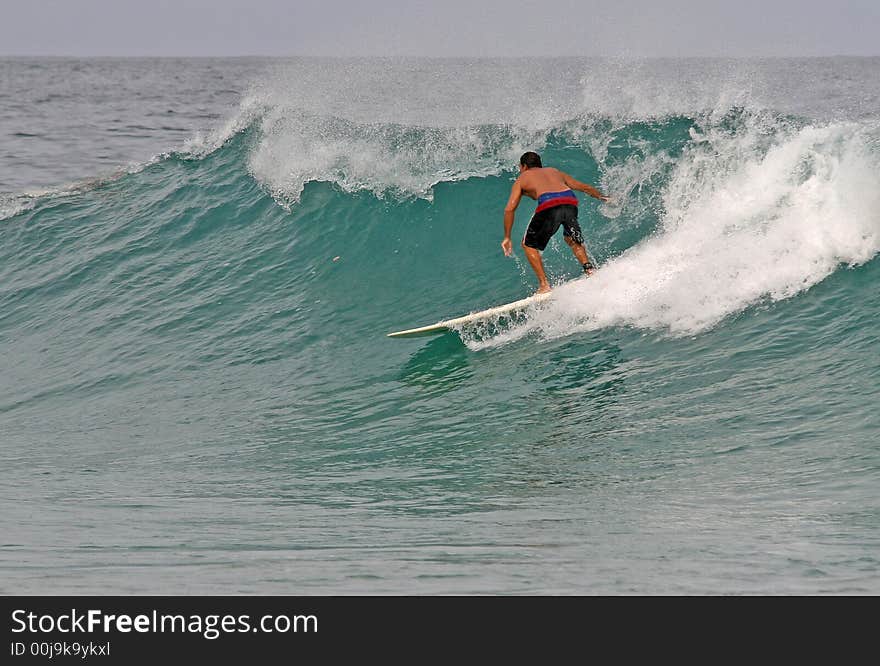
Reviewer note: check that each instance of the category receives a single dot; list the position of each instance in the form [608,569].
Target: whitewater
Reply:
[200,259]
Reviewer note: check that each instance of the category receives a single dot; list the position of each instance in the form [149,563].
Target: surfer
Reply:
[557,206]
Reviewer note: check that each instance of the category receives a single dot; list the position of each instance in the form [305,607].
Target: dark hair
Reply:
[531,160]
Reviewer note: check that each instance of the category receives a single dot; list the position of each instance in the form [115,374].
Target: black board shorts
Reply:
[547,222]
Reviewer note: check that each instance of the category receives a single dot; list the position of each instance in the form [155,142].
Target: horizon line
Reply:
[440,57]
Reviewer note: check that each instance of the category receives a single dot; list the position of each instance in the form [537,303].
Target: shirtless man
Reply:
[557,205]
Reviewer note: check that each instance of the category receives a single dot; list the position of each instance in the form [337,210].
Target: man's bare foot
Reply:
[545,289]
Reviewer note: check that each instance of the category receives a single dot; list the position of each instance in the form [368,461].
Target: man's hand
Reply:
[507,246]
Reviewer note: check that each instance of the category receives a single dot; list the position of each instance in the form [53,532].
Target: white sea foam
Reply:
[296,148]
[398,128]
[250,108]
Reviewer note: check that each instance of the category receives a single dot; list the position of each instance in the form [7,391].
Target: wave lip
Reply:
[295,148]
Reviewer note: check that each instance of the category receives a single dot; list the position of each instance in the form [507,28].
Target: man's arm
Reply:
[509,211]
[582,187]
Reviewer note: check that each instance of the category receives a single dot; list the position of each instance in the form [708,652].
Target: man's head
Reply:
[530,160]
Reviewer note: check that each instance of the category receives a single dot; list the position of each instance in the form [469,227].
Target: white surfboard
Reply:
[474,317]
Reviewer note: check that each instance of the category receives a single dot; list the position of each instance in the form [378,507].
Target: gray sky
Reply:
[440,28]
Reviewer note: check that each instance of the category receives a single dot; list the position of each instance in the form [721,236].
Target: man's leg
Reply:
[580,251]
[534,257]
[575,238]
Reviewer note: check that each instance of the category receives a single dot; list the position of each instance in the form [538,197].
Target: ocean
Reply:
[200,260]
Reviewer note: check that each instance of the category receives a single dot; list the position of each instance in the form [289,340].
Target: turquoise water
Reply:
[197,395]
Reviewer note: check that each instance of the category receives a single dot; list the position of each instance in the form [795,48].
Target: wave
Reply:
[712,212]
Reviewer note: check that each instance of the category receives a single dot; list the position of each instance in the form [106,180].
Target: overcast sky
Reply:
[440,28]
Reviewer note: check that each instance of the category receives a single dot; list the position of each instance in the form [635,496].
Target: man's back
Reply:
[555,210]
[536,182]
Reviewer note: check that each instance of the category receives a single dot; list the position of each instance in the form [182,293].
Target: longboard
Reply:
[447,324]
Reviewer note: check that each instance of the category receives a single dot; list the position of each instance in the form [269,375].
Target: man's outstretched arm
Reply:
[509,212]
[583,187]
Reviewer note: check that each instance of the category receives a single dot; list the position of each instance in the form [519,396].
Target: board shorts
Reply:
[554,209]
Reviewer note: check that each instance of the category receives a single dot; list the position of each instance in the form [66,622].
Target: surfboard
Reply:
[472,318]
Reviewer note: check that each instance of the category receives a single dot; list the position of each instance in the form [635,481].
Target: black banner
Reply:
[144,629]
